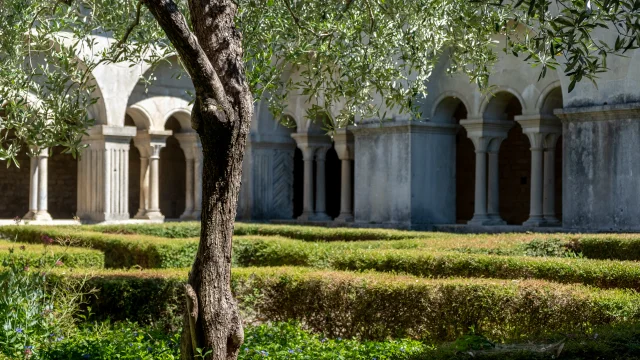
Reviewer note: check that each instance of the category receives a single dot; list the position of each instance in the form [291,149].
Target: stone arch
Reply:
[493,105]
[183,116]
[446,105]
[139,117]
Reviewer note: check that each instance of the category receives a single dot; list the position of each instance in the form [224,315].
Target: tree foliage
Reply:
[352,59]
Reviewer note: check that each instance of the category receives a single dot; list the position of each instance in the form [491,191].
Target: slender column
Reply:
[43,198]
[197,182]
[480,210]
[188,207]
[144,187]
[321,192]
[535,202]
[493,207]
[33,189]
[346,193]
[154,183]
[549,196]
[307,197]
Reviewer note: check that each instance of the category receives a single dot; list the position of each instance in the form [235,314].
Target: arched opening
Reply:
[172,174]
[514,160]
[333,183]
[450,111]
[62,184]
[298,180]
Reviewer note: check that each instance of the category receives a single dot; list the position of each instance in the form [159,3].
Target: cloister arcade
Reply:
[527,153]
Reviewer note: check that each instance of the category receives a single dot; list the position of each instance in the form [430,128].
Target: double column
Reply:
[192,148]
[487,136]
[343,141]
[149,144]
[38,183]
[313,147]
[543,132]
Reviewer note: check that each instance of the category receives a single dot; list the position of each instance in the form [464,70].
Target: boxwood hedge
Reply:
[36,254]
[379,306]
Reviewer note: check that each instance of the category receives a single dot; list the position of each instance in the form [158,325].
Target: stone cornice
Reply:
[111,133]
[599,113]
[404,126]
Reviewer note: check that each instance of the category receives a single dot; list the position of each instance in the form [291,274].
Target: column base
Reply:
[187,215]
[196,215]
[552,221]
[42,216]
[30,215]
[321,217]
[140,214]
[479,220]
[535,221]
[495,220]
[152,215]
[344,217]
[306,216]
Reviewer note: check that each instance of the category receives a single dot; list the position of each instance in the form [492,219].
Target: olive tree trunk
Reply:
[212,55]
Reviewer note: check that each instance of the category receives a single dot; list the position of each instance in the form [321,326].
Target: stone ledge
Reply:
[599,113]
[404,126]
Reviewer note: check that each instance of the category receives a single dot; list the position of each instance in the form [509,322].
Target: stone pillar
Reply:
[33,189]
[480,216]
[43,196]
[343,140]
[149,143]
[321,191]
[549,193]
[307,197]
[537,127]
[144,186]
[197,182]
[487,136]
[103,174]
[188,143]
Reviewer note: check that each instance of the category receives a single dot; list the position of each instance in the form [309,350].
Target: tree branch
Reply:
[197,64]
[130,28]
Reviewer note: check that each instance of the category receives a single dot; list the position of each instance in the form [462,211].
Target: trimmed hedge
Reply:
[119,250]
[307,233]
[421,262]
[71,257]
[379,306]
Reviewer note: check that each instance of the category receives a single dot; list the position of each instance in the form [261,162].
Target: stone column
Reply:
[549,193]
[103,174]
[33,189]
[321,192]
[480,205]
[188,143]
[43,196]
[197,182]
[307,197]
[343,140]
[144,186]
[537,127]
[493,202]
[153,212]
[149,143]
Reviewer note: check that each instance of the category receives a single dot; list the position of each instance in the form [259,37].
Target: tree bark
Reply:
[222,111]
